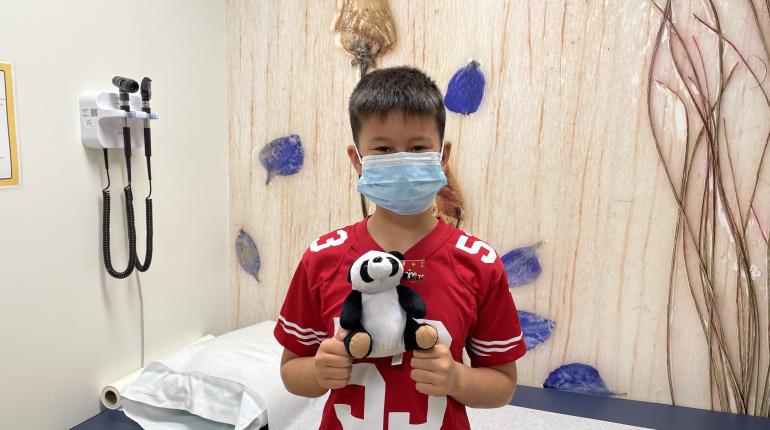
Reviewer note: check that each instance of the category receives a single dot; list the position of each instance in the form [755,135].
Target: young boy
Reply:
[397,117]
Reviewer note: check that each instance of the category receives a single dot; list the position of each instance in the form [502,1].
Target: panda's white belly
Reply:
[384,319]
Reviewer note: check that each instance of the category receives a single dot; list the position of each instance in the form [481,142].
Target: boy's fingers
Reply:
[442,366]
[427,353]
[337,373]
[423,363]
[341,333]
[437,350]
[334,346]
[338,348]
[424,376]
[335,360]
[427,389]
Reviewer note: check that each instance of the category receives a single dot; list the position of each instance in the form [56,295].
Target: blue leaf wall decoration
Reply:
[536,329]
[465,89]
[283,156]
[248,255]
[577,378]
[522,265]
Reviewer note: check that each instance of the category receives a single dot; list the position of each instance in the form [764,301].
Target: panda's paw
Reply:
[360,345]
[426,336]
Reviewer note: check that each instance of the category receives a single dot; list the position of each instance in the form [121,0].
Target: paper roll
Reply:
[110,395]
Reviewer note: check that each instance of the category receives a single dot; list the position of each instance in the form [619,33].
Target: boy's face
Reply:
[397,132]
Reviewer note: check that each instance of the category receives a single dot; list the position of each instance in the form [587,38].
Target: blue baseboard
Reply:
[632,412]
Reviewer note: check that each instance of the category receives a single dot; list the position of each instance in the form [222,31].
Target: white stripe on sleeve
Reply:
[301,329]
[475,352]
[481,348]
[496,342]
[310,337]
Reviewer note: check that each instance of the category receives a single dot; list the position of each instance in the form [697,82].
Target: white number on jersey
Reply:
[462,243]
[343,236]
[367,375]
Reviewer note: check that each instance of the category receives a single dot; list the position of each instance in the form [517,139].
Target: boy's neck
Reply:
[394,232]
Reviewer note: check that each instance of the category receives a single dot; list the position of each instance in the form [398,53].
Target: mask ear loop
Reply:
[360,159]
[440,160]
[364,207]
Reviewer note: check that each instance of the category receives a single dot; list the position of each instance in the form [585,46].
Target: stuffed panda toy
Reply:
[379,313]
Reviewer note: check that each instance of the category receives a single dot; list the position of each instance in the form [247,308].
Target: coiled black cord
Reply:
[142,267]
[106,228]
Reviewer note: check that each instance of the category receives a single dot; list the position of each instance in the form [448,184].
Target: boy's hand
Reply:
[434,371]
[332,362]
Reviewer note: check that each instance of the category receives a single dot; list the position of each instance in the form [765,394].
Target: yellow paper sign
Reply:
[9,146]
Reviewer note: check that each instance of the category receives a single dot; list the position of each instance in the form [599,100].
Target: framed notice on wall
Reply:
[9,145]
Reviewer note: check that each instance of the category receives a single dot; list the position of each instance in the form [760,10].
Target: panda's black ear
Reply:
[397,254]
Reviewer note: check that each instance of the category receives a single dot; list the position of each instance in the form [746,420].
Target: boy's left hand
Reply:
[434,371]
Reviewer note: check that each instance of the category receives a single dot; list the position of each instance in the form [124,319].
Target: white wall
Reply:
[66,327]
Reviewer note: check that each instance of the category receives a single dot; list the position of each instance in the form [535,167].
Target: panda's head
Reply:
[376,271]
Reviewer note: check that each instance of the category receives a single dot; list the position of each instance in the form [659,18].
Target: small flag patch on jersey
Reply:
[414,270]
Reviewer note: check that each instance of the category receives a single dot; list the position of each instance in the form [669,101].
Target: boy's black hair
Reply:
[404,89]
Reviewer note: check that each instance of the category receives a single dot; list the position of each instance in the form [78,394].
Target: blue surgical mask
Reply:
[403,182]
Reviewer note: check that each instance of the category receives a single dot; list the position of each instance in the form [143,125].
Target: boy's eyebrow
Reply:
[420,139]
[386,140]
[380,139]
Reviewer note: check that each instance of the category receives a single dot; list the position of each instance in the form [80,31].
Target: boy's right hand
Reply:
[332,362]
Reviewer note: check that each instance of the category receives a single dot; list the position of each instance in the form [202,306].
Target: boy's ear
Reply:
[447,152]
[397,254]
[353,155]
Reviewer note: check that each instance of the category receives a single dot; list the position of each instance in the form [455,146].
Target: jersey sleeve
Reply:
[300,328]
[497,337]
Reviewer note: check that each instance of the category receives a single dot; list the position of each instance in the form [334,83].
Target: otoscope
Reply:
[146,92]
[124,86]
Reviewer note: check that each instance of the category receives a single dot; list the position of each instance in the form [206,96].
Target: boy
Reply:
[397,118]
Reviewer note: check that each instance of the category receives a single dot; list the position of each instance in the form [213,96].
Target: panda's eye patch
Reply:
[394,263]
[364,272]
[377,259]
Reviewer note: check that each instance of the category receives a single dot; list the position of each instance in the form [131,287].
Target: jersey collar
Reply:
[419,251]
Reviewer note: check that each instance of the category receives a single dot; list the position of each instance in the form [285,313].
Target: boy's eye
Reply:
[382,149]
[419,148]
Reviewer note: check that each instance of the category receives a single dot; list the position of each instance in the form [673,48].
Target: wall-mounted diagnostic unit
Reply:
[121,120]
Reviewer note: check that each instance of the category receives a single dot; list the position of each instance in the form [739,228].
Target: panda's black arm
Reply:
[412,303]
[350,317]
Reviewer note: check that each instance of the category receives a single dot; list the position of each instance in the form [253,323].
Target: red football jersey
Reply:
[464,285]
